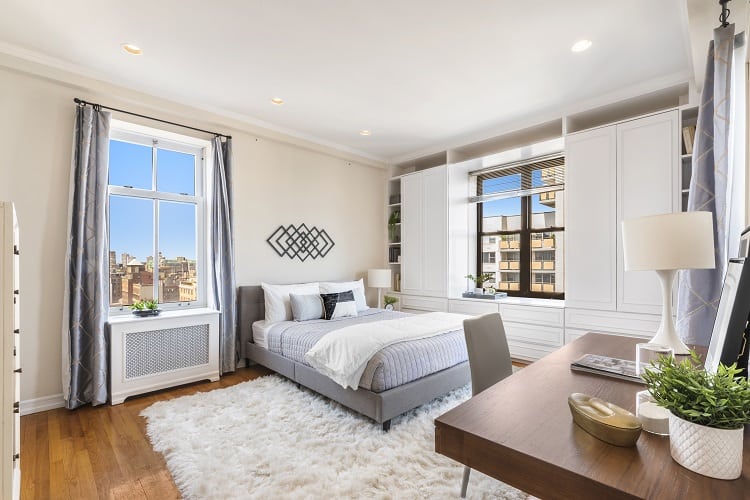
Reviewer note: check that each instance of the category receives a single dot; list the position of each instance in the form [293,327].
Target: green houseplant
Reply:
[708,412]
[389,300]
[479,280]
[146,307]
[393,220]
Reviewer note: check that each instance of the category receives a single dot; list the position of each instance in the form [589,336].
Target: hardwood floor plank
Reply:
[103,452]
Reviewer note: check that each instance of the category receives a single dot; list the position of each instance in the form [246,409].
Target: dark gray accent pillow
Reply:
[339,305]
[306,307]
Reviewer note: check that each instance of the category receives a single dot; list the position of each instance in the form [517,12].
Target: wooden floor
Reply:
[103,451]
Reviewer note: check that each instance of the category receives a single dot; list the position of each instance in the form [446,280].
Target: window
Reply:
[156,217]
[520,214]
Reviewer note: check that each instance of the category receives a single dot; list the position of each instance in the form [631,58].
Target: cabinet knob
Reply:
[15,250]
[16,292]
[18,370]
[17,330]
[16,456]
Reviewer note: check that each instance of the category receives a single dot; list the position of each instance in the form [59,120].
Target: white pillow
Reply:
[358,287]
[277,302]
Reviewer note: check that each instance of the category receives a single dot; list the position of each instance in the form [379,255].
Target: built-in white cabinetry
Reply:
[533,330]
[648,157]
[590,219]
[616,172]
[424,231]
[10,368]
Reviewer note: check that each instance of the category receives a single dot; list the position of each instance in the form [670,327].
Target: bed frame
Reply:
[379,406]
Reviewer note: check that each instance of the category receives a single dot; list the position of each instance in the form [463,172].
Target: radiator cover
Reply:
[154,353]
[159,351]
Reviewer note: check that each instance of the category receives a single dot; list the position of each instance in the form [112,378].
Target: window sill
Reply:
[168,314]
[520,301]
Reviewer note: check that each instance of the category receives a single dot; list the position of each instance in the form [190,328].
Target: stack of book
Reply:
[394,254]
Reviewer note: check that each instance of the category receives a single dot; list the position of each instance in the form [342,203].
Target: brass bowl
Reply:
[604,420]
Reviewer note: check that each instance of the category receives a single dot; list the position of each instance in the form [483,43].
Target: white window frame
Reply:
[201,148]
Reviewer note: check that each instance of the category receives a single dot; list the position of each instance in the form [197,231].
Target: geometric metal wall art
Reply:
[301,242]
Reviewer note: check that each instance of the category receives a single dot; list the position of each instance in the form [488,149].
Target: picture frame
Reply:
[729,337]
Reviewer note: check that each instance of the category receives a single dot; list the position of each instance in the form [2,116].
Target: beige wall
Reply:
[277,180]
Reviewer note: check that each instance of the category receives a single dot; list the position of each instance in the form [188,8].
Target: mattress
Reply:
[391,367]
[260,333]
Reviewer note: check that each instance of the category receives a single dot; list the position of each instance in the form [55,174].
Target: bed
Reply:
[387,391]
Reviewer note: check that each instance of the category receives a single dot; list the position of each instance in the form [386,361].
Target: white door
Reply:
[647,174]
[590,219]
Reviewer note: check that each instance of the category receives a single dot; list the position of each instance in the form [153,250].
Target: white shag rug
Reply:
[266,438]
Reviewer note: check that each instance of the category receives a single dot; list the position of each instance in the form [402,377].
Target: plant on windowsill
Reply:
[479,281]
[389,300]
[146,307]
[708,413]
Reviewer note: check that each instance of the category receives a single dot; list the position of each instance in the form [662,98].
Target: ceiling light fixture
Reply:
[132,49]
[277,101]
[365,132]
[581,45]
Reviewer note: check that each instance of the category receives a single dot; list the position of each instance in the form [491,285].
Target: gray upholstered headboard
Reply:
[250,308]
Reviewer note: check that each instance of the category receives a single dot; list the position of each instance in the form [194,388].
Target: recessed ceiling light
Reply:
[132,49]
[365,132]
[277,101]
[581,45]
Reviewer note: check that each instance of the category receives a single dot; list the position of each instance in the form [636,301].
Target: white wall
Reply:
[277,180]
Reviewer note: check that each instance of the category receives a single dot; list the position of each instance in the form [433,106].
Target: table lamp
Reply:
[665,244]
[379,278]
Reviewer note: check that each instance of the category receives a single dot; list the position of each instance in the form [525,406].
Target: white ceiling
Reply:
[420,74]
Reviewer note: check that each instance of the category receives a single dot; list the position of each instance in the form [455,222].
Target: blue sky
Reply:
[511,206]
[132,220]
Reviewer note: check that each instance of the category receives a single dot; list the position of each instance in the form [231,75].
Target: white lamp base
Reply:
[667,333]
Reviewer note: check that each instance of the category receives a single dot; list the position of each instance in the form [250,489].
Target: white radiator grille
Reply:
[158,351]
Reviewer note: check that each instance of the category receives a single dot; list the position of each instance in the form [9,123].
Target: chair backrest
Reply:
[489,356]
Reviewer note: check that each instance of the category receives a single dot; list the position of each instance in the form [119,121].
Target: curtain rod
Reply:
[84,103]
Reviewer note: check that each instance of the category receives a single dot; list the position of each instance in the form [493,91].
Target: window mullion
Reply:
[154,166]
[525,265]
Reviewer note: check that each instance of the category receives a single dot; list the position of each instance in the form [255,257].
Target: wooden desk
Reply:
[520,431]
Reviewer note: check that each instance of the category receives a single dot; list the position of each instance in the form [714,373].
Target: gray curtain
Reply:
[710,187]
[222,254]
[86,305]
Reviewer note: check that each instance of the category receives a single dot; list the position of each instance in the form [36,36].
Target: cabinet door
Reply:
[647,173]
[434,231]
[411,238]
[590,219]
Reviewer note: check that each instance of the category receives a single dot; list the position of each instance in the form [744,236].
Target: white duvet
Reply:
[343,354]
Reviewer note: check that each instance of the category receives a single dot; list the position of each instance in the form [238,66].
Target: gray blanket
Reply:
[392,366]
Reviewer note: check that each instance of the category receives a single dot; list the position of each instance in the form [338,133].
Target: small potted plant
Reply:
[479,281]
[389,300]
[146,307]
[393,220]
[708,412]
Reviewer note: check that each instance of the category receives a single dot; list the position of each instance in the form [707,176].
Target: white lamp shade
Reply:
[379,278]
[683,240]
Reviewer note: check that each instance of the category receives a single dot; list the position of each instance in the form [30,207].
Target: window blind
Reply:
[522,178]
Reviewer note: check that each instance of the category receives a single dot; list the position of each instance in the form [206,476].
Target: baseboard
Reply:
[42,404]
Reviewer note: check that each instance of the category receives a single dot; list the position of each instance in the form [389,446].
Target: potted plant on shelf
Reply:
[146,307]
[479,281]
[393,220]
[389,300]
[708,412]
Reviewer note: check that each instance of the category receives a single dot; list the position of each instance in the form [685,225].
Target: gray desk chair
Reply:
[489,359]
